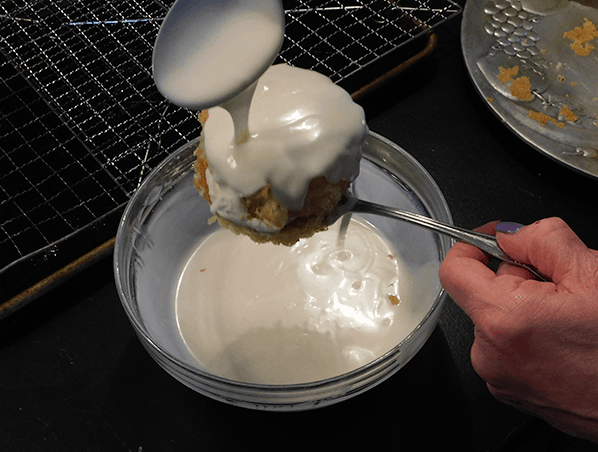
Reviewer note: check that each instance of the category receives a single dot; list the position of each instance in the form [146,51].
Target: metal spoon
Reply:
[208,51]
[484,242]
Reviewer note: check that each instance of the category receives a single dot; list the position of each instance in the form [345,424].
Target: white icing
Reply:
[278,315]
[300,125]
[206,52]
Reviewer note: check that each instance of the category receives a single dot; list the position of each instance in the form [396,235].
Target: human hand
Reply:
[536,343]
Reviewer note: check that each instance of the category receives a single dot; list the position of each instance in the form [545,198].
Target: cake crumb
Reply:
[543,119]
[506,75]
[573,83]
[581,37]
[394,299]
[520,87]
[568,114]
[560,78]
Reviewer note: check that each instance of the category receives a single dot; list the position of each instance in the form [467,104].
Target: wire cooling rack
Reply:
[82,123]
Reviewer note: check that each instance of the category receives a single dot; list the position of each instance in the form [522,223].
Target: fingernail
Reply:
[508,227]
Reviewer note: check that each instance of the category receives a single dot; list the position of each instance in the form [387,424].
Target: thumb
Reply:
[549,245]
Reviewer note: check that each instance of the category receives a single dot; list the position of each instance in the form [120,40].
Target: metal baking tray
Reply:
[82,123]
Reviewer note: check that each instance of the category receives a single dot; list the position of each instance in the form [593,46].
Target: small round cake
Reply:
[299,156]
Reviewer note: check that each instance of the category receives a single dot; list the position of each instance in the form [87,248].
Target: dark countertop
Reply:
[74,377]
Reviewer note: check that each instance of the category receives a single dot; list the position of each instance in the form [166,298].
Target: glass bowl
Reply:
[165,220]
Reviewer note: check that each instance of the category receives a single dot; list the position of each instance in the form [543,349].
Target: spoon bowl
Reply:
[208,51]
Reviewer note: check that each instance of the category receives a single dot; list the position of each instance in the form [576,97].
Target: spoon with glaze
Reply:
[484,242]
[209,51]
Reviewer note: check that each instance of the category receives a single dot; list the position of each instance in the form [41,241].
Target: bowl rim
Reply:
[353,375]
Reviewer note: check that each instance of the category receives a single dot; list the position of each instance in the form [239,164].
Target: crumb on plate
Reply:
[543,119]
[506,75]
[520,87]
[568,114]
[581,37]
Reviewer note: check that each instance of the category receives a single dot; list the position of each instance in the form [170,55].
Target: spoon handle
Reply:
[485,242]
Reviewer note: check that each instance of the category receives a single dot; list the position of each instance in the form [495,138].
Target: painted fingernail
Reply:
[508,227]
